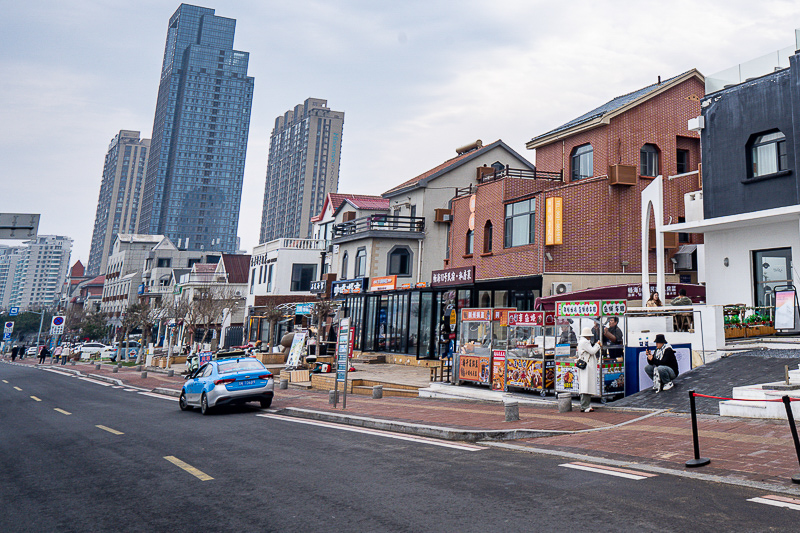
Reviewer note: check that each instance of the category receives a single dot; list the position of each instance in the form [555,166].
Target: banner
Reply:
[296,351]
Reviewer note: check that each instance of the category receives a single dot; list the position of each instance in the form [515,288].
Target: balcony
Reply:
[386,226]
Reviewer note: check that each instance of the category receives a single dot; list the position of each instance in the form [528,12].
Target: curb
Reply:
[166,392]
[107,379]
[444,433]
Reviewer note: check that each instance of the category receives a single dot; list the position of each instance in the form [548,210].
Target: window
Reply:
[487,237]
[683,161]
[582,162]
[302,276]
[399,261]
[344,266]
[649,160]
[469,242]
[768,153]
[771,269]
[269,278]
[361,262]
[164,262]
[520,223]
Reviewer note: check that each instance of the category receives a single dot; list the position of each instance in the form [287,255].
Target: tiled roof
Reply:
[99,280]
[205,267]
[610,106]
[335,200]
[434,170]
[237,266]
[369,202]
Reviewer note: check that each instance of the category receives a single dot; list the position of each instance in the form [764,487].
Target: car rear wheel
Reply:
[204,408]
[183,404]
[266,403]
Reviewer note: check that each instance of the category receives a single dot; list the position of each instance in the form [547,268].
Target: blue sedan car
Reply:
[227,381]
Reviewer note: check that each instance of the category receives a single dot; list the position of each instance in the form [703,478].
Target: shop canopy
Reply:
[628,291]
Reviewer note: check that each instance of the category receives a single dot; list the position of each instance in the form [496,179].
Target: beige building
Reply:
[118,206]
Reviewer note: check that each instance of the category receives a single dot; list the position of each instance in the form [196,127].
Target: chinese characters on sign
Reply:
[453,276]
[554,210]
[593,308]
[473,368]
[348,286]
[476,315]
[383,283]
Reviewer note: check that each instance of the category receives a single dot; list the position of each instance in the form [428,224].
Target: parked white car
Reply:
[88,349]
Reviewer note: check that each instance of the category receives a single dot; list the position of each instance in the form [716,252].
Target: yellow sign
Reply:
[453,318]
[554,221]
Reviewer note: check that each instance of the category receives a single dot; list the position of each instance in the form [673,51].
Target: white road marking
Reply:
[59,372]
[131,390]
[36,399]
[388,434]
[598,470]
[116,386]
[104,384]
[114,431]
[63,412]
[202,476]
[162,396]
[4,381]
[777,501]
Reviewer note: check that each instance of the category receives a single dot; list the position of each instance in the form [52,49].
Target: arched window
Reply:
[648,157]
[399,261]
[344,266]
[469,242]
[487,237]
[361,262]
[582,162]
[768,154]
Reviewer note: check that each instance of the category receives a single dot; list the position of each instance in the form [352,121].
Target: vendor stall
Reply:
[474,350]
[611,365]
[529,363]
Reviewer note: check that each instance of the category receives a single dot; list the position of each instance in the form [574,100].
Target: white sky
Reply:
[416,79]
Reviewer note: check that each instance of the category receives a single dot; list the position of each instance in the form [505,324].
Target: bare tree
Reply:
[321,311]
[214,306]
[146,315]
[272,314]
[173,307]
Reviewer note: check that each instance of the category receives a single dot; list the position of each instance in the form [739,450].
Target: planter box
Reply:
[734,332]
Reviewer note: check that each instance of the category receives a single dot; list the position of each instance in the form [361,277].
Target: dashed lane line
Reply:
[377,432]
[4,381]
[63,412]
[778,501]
[114,431]
[202,476]
[609,471]
[18,388]
[36,399]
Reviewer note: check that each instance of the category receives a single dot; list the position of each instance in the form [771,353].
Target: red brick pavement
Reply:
[755,450]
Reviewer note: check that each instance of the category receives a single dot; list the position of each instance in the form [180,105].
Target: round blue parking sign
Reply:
[58,320]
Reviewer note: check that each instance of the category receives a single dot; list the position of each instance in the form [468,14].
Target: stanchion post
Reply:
[697,461]
[787,402]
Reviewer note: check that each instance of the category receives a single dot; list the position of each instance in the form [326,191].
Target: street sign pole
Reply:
[41,322]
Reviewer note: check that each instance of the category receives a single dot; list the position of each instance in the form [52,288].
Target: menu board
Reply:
[474,368]
[498,369]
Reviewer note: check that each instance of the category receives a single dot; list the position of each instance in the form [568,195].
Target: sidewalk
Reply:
[742,451]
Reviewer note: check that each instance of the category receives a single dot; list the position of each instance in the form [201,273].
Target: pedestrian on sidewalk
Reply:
[14,351]
[21,352]
[662,365]
[57,354]
[43,353]
[587,377]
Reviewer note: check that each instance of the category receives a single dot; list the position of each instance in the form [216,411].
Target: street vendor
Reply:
[612,336]
[567,335]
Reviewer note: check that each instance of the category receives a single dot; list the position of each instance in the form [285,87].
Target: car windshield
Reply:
[226,367]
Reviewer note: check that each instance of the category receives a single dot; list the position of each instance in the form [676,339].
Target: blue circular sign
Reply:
[58,320]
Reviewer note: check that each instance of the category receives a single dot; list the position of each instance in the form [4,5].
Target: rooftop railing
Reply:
[379,223]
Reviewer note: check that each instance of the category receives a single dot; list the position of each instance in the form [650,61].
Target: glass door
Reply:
[771,268]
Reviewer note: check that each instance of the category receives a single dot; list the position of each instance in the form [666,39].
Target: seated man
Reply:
[662,365]
[682,321]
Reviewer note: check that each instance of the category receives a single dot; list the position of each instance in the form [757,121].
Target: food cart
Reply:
[611,366]
[474,350]
[529,361]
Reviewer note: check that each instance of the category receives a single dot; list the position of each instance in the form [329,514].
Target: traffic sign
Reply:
[57,325]
[9,327]
[13,311]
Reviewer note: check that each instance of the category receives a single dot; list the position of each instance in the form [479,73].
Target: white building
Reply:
[124,270]
[284,267]
[32,275]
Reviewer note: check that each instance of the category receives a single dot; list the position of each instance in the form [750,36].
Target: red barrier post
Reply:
[788,404]
[697,461]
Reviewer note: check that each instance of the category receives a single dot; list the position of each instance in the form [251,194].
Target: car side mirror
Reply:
[187,376]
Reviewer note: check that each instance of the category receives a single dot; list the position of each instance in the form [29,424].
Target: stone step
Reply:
[742,409]
[299,384]
[387,391]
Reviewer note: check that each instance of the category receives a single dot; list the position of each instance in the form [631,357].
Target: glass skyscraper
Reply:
[194,176]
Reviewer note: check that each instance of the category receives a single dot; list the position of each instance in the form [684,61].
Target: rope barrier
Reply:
[744,399]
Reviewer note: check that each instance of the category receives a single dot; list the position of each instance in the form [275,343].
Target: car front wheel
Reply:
[182,403]
[204,408]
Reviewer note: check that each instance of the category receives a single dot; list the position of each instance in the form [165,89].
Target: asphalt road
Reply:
[61,472]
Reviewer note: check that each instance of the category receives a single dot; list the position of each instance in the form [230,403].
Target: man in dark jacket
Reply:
[662,365]
[43,354]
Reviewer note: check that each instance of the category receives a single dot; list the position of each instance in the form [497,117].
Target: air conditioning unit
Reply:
[440,214]
[561,287]
[447,218]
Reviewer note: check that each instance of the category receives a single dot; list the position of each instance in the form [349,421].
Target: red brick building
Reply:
[595,166]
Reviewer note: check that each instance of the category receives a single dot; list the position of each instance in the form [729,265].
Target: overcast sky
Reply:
[416,79]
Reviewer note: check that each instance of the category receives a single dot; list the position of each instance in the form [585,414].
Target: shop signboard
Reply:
[500,314]
[318,287]
[453,318]
[526,318]
[342,350]
[591,308]
[383,283]
[303,309]
[614,308]
[405,286]
[476,315]
[296,351]
[453,276]
[784,309]
[474,368]
[554,221]
[498,369]
[203,358]
[348,286]
[421,285]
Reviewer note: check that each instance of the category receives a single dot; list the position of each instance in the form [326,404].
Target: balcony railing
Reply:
[302,244]
[526,173]
[379,223]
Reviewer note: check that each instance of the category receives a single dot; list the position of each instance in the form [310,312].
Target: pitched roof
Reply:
[613,107]
[450,164]
[335,200]
[99,280]
[375,203]
[77,269]
[237,267]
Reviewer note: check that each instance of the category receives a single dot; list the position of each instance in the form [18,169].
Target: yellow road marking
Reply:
[35,398]
[62,411]
[18,388]
[114,431]
[202,476]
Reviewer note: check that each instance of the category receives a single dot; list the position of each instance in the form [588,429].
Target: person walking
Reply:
[662,365]
[587,376]
[21,352]
[57,354]
[14,351]
[43,353]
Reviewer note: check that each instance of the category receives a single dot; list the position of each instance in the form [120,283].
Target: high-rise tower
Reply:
[303,168]
[194,176]
[119,204]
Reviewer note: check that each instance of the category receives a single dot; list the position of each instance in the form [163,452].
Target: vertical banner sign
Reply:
[57,325]
[554,221]
[342,360]
[784,309]
[296,351]
[8,330]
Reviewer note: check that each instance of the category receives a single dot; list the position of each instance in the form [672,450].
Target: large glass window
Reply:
[302,276]
[771,268]
[399,262]
[361,262]
[649,160]
[768,154]
[582,162]
[520,223]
